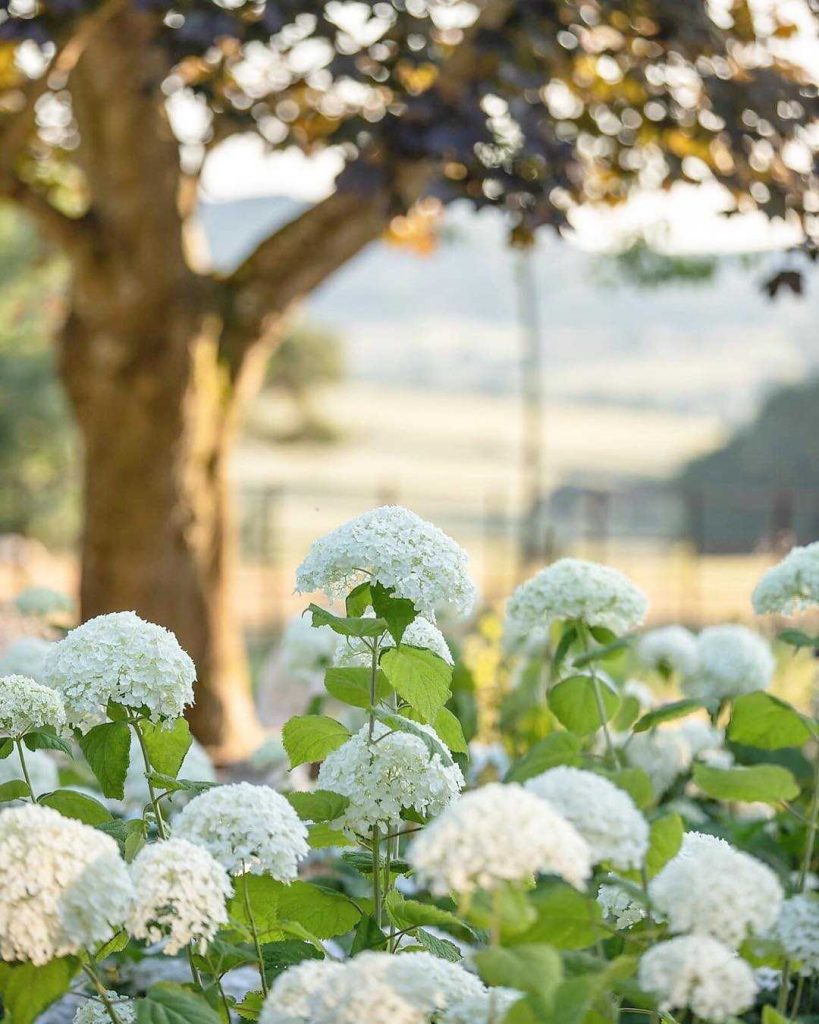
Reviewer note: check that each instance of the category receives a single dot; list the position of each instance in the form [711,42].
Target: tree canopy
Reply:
[528,105]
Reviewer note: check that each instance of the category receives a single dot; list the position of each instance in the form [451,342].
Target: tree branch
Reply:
[304,253]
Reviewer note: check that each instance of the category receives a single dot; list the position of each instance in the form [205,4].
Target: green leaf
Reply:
[172,785]
[251,1006]
[666,713]
[771,1016]
[420,677]
[107,749]
[278,956]
[358,600]
[601,653]
[564,645]
[352,686]
[566,918]
[318,805]
[449,729]
[761,720]
[763,783]
[262,895]
[367,936]
[47,739]
[442,948]
[627,714]
[356,626]
[636,783]
[665,839]
[323,912]
[128,834]
[6,747]
[397,612]
[574,703]
[114,945]
[169,1003]
[167,747]
[554,749]
[311,738]
[27,990]
[533,968]
[402,724]
[320,836]
[76,805]
[15,789]
[406,913]
[796,638]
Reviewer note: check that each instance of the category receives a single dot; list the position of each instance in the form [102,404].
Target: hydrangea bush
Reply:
[640,845]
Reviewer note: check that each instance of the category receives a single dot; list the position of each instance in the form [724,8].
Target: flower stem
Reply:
[160,824]
[583,633]
[32,795]
[804,871]
[101,992]
[253,930]
[377,875]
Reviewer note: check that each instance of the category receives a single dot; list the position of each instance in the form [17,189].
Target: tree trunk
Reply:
[156,414]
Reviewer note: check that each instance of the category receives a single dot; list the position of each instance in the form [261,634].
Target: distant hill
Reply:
[449,321]
[765,481]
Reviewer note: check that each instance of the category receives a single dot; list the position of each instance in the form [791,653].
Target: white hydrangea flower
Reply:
[702,737]
[573,589]
[663,754]
[711,888]
[798,931]
[419,633]
[699,973]
[181,894]
[790,586]
[95,1013]
[25,656]
[43,601]
[604,815]
[669,648]
[26,705]
[294,990]
[384,776]
[495,834]
[731,660]
[246,828]
[619,906]
[63,885]
[41,767]
[120,657]
[396,548]
[372,988]
[487,1007]
[306,651]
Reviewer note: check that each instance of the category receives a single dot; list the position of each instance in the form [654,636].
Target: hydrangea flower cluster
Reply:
[573,589]
[711,888]
[246,828]
[412,988]
[698,973]
[63,885]
[496,834]
[731,660]
[790,586]
[419,633]
[396,548]
[96,1013]
[307,650]
[26,706]
[25,656]
[670,649]
[798,931]
[181,894]
[120,657]
[383,776]
[604,815]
